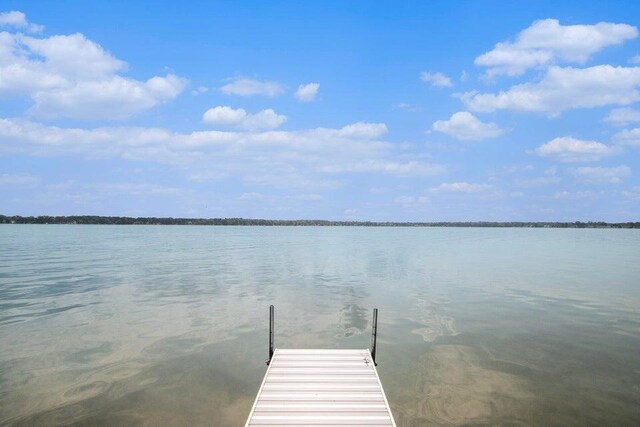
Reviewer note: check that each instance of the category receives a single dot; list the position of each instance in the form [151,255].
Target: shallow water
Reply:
[164,325]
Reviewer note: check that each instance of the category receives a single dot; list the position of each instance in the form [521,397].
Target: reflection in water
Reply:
[353,319]
[104,325]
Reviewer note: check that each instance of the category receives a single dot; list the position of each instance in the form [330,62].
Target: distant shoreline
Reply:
[122,220]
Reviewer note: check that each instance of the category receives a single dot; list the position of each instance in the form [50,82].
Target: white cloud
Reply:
[406,168]
[74,77]
[18,20]
[635,59]
[29,65]
[628,137]
[547,41]
[265,119]
[436,79]
[466,126]
[243,86]
[316,158]
[73,56]
[117,98]
[568,149]
[200,90]
[223,115]
[602,175]
[460,187]
[563,89]
[307,93]
[227,116]
[622,116]
[539,181]
[364,130]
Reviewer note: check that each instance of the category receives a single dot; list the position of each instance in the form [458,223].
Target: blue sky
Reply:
[417,111]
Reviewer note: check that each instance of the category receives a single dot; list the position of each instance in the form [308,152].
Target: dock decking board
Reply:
[321,388]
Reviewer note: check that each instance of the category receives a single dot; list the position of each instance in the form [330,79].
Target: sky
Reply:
[382,111]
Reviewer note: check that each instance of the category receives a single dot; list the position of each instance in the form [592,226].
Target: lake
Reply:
[168,325]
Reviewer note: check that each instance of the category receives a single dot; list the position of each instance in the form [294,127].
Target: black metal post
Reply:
[374,335]
[270,334]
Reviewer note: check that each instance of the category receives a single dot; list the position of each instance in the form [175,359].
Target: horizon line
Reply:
[226,221]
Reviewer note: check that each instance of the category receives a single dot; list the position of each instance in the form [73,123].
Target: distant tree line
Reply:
[123,220]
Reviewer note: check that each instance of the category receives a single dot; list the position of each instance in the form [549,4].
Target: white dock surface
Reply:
[321,388]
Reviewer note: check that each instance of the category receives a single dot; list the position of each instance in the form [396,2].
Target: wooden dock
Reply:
[321,388]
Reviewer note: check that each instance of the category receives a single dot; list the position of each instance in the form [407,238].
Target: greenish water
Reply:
[164,325]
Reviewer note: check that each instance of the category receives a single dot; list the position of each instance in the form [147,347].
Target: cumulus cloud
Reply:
[227,116]
[73,55]
[622,116]
[547,41]
[116,98]
[436,79]
[568,149]
[316,158]
[364,130]
[628,137]
[307,93]
[71,76]
[265,119]
[464,125]
[460,187]
[243,86]
[223,115]
[18,20]
[602,175]
[563,89]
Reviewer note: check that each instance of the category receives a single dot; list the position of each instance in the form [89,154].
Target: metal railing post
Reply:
[270,333]
[374,335]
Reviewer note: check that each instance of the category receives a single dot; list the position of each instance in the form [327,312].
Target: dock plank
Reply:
[321,387]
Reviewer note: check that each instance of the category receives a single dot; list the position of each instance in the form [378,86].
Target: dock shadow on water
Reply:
[167,325]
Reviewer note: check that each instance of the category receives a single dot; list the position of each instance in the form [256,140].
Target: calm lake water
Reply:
[163,325]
